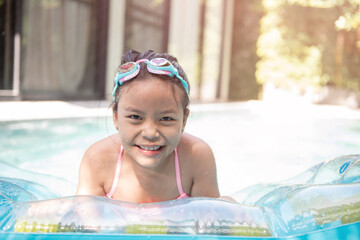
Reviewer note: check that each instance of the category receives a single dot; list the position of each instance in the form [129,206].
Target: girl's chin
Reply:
[148,162]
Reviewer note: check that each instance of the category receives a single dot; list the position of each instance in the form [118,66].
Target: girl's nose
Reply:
[150,132]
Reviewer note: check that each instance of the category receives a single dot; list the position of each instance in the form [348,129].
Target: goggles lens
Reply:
[159,62]
[127,67]
[129,70]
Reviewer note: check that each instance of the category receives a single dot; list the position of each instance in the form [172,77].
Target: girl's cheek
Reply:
[176,134]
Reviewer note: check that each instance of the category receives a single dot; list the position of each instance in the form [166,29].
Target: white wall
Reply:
[183,37]
[183,43]
[115,42]
[227,48]
[212,48]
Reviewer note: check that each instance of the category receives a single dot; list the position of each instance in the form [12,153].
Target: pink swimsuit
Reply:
[177,172]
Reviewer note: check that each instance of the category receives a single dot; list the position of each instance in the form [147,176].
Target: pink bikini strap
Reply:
[178,176]
[110,194]
[117,174]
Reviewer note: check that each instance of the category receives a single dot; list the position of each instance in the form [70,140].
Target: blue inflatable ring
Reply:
[321,203]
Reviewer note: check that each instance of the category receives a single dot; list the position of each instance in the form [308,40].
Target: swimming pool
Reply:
[252,141]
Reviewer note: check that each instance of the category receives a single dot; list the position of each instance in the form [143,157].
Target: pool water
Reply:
[252,142]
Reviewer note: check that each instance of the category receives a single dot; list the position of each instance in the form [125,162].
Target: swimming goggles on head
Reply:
[160,66]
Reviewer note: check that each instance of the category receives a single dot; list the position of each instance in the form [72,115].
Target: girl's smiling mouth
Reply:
[150,150]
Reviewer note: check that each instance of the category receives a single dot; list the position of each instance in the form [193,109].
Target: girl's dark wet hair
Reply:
[133,56]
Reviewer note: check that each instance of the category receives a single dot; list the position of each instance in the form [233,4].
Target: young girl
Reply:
[150,158]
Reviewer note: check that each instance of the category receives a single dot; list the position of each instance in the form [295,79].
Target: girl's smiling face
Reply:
[150,119]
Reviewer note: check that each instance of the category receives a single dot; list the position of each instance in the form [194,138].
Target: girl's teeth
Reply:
[150,148]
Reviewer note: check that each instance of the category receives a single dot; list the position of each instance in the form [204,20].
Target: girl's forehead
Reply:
[139,86]
[153,92]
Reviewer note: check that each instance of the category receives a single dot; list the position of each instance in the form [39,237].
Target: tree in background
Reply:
[348,46]
[309,43]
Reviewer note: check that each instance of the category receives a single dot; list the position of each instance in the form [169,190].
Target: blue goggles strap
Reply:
[156,66]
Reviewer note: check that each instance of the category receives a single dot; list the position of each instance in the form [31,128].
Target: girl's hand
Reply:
[227,198]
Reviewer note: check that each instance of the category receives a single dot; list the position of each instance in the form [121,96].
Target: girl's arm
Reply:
[205,180]
[89,176]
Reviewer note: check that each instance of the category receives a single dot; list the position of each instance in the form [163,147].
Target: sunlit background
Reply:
[276,57]
[231,49]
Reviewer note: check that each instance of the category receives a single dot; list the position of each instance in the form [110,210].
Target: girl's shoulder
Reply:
[198,167]
[98,161]
[190,142]
[194,148]
[103,151]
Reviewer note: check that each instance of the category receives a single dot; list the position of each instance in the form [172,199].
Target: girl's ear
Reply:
[115,120]
[186,115]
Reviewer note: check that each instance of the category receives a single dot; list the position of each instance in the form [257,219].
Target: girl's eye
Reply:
[135,117]
[166,119]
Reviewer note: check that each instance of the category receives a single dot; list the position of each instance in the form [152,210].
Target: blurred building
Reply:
[70,49]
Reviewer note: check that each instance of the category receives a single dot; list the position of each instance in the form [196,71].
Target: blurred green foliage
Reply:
[309,43]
